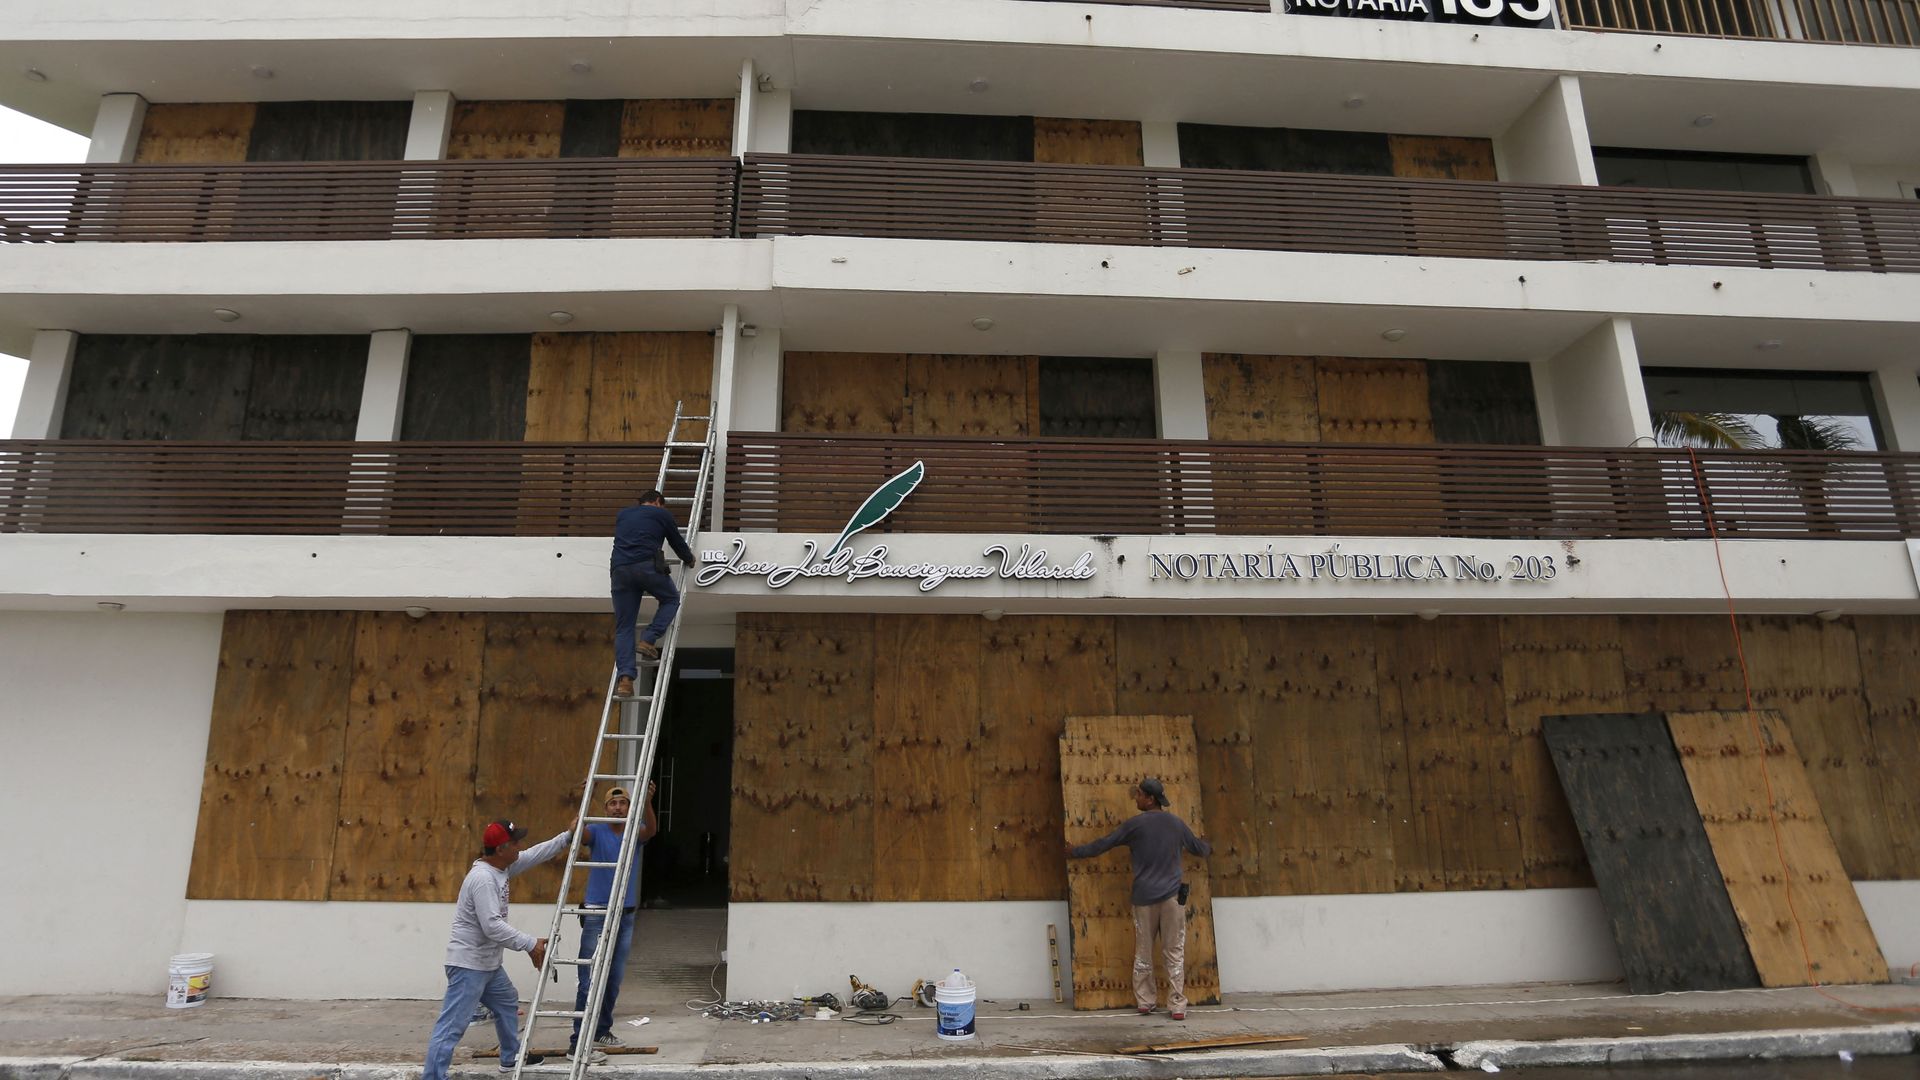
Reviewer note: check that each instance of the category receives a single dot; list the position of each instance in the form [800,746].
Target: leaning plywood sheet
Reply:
[1671,918]
[1800,914]
[1101,757]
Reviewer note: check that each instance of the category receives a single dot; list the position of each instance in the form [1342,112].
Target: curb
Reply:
[1878,1039]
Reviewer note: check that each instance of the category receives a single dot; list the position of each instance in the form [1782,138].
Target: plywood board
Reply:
[1554,665]
[543,680]
[677,128]
[1440,681]
[853,393]
[159,386]
[1093,397]
[1198,664]
[1261,398]
[466,387]
[803,758]
[927,740]
[1651,860]
[637,378]
[971,137]
[201,132]
[968,395]
[330,131]
[1680,663]
[1783,875]
[1442,157]
[271,793]
[559,387]
[1064,141]
[1320,780]
[1890,669]
[407,828]
[1809,670]
[1373,401]
[1035,671]
[1483,401]
[505,130]
[1100,758]
[306,387]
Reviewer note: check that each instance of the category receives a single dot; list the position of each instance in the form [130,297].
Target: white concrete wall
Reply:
[103,729]
[288,949]
[1280,943]
[1884,181]
[1599,396]
[1549,143]
[1893,909]
[778,950]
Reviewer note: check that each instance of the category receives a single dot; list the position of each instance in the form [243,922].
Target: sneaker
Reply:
[609,1039]
[623,688]
[532,1059]
[1143,1010]
[647,650]
[1178,1015]
[481,1015]
[594,1057]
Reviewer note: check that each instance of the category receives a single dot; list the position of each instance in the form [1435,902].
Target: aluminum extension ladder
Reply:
[634,740]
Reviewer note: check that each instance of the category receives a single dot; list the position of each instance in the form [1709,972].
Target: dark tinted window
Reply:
[914,135]
[1801,410]
[1703,172]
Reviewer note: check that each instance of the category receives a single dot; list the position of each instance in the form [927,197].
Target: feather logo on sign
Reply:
[879,504]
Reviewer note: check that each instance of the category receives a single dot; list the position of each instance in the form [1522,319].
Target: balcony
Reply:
[1839,22]
[810,484]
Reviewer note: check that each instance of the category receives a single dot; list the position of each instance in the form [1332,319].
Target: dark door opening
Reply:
[685,864]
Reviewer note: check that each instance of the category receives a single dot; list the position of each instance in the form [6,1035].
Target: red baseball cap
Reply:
[499,831]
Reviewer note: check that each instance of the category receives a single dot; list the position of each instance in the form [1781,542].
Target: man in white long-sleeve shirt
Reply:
[480,933]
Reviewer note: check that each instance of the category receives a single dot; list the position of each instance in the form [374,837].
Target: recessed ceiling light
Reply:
[417,612]
[1354,101]
[1393,333]
[580,67]
[992,614]
[226,314]
[983,323]
[1705,119]
[261,71]
[111,605]
[36,75]
[561,317]
[1769,345]
[1828,614]
[1428,614]
[978,86]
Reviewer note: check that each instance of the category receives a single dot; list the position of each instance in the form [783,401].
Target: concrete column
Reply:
[726,352]
[1545,405]
[1549,143]
[43,397]
[1897,392]
[1833,175]
[383,396]
[1160,144]
[432,122]
[756,382]
[116,129]
[1598,398]
[1180,395]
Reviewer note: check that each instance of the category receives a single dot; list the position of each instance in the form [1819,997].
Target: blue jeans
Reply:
[630,583]
[590,926]
[465,987]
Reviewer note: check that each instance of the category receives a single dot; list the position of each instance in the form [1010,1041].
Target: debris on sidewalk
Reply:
[1220,1043]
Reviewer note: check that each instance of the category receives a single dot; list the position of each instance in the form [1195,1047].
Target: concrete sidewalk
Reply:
[82,1038]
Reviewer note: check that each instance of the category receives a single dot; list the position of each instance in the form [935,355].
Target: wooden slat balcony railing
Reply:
[1845,22]
[1221,208]
[371,488]
[382,200]
[811,483]
[1215,5]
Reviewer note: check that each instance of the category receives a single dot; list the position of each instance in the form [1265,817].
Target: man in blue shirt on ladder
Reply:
[638,569]
[603,845]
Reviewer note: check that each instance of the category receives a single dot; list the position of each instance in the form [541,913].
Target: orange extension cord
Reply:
[1760,739]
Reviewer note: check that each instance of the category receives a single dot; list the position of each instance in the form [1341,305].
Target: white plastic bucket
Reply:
[953,1002]
[189,980]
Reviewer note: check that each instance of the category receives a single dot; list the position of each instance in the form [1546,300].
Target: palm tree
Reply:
[1706,430]
[1815,433]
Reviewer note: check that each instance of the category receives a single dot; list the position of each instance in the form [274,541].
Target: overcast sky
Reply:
[24,139]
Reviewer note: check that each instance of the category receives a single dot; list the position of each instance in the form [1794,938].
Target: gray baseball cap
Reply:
[1153,789]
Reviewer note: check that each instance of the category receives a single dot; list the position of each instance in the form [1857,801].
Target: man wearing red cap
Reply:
[480,933]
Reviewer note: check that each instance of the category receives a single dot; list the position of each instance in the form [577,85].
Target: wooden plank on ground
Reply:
[677,128]
[407,829]
[1219,1043]
[544,675]
[1809,669]
[637,378]
[1554,665]
[195,132]
[927,738]
[1441,682]
[1320,779]
[1783,875]
[1672,920]
[1890,670]
[559,387]
[1198,665]
[271,794]
[1035,670]
[803,757]
[506,130]
[1101,757]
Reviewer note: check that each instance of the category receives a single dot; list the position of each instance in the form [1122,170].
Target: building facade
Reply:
[1323,373]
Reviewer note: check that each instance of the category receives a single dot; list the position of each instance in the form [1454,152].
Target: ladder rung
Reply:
[621,736]
[614,776]
[687,445]
[595,865]
[561,1014]
[633,697]
[571,961]
[583,911]
[604,820]
[672,471]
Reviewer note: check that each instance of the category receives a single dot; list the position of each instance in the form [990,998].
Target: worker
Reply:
[638,568]
[602,844]
[1154,838]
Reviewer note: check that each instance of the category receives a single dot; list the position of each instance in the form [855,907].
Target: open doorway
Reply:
[685,864]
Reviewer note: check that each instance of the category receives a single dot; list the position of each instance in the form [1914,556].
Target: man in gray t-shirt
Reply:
[480,934]
[1155,839]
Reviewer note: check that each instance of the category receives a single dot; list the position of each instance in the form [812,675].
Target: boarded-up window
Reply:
[216,387]
[467,387]
[330,131]
[914,135]
[1476,401]
[592,129]
[1097,397]
[1220,146]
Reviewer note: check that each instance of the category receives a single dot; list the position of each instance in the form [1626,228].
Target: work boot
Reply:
[647,650]
[623,687]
